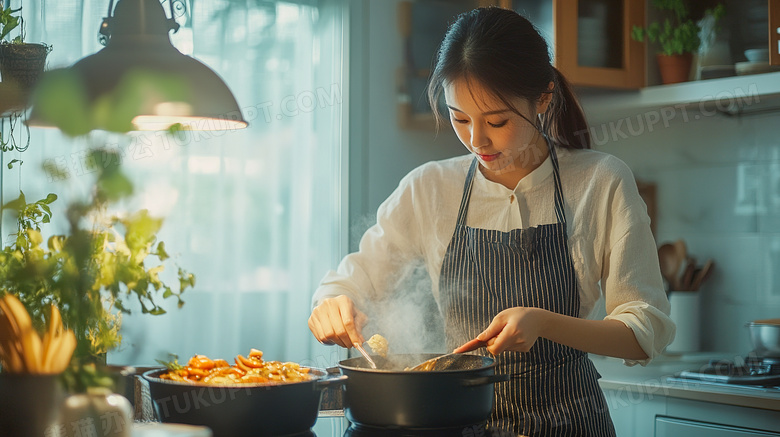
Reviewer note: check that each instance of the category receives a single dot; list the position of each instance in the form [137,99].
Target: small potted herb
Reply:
[20,62]
[677,37]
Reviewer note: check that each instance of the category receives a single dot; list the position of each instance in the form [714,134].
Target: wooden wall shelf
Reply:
[738,95]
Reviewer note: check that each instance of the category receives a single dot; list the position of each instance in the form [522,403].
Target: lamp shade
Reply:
[140,78]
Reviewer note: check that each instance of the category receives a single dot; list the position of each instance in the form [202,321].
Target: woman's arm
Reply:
[517,329]
[602,337]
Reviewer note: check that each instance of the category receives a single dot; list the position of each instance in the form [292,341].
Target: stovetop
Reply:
[750,372]
[460,431]
[340,427]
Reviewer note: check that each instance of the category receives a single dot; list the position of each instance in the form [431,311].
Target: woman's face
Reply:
[503,141]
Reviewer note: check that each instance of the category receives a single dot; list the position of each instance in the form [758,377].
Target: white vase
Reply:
[98,412]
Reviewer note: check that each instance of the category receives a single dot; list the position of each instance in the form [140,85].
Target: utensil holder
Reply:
[29,404]
[685,313]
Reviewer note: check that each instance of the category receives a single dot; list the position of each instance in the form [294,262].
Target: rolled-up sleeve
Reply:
[386,249]
[631,275]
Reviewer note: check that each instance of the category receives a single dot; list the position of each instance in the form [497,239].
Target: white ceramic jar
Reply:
[99,412]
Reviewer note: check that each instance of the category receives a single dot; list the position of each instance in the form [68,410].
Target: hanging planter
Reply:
[22,63]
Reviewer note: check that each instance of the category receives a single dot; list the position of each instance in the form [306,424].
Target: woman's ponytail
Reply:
[503,51]
[564,122]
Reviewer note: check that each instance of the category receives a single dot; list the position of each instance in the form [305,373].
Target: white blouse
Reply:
[610,241]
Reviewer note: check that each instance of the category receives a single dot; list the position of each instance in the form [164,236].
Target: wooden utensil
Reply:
[687,277]
[470,346]
[682,249]
[21,348]
[430,364]
[702,275]
[670,264]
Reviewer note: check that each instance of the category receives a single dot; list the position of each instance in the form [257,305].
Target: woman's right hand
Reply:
[337,320]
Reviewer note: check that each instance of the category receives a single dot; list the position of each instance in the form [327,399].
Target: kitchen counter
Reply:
[626,384]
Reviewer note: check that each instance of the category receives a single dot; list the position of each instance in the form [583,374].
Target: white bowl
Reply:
[757,55]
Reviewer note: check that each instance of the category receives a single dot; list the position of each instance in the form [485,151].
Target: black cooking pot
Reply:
[392,397]
[241,410]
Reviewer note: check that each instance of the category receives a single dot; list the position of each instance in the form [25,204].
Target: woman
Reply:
[520,236]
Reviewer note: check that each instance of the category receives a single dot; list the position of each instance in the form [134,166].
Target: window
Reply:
[255,214]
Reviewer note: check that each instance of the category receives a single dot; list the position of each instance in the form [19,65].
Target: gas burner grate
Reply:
[749,371]
[479,429]
[308,433]
[763,365]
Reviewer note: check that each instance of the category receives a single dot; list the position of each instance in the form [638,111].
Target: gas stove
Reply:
[334,426]
[752,371]
[479,429]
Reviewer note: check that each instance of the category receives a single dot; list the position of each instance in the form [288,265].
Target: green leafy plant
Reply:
[172,364]
[675,35]
[9,22]
[103,261]
[92,272]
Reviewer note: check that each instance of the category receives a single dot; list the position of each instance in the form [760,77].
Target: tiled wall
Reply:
[718,188]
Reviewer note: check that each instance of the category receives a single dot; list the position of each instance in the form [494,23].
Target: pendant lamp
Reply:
[141,75]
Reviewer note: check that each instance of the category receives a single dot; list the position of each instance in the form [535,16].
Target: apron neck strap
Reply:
[464,201]
[559,211]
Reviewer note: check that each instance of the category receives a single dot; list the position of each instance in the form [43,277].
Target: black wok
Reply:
[241,410]
[389,396]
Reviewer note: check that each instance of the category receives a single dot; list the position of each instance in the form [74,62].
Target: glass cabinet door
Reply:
[600,33]
[593,42]
[591,39]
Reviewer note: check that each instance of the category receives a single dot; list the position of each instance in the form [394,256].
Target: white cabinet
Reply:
[640,412]
[671,427]
[634,413]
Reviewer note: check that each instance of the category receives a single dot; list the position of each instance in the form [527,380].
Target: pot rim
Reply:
[491,365]
[320,374]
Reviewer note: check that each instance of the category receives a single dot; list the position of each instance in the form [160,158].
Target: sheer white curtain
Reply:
[255,214]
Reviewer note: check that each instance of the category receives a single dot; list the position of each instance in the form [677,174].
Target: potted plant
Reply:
[91,272]
[20,62]
[677,36]
[103,261]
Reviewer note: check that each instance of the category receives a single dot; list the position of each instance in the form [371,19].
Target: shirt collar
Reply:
[531,180]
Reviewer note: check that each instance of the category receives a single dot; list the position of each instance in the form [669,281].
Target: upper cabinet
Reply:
[592,44]
[591,39]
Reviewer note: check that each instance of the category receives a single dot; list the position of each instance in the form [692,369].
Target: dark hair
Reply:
[502,51]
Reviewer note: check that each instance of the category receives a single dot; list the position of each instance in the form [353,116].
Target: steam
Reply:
[409,318]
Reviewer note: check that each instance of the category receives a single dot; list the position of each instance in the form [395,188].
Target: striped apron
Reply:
[553,388]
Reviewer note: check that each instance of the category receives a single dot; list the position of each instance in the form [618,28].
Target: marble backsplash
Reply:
[718,188]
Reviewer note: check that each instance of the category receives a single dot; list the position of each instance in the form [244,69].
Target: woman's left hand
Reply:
[514,329]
